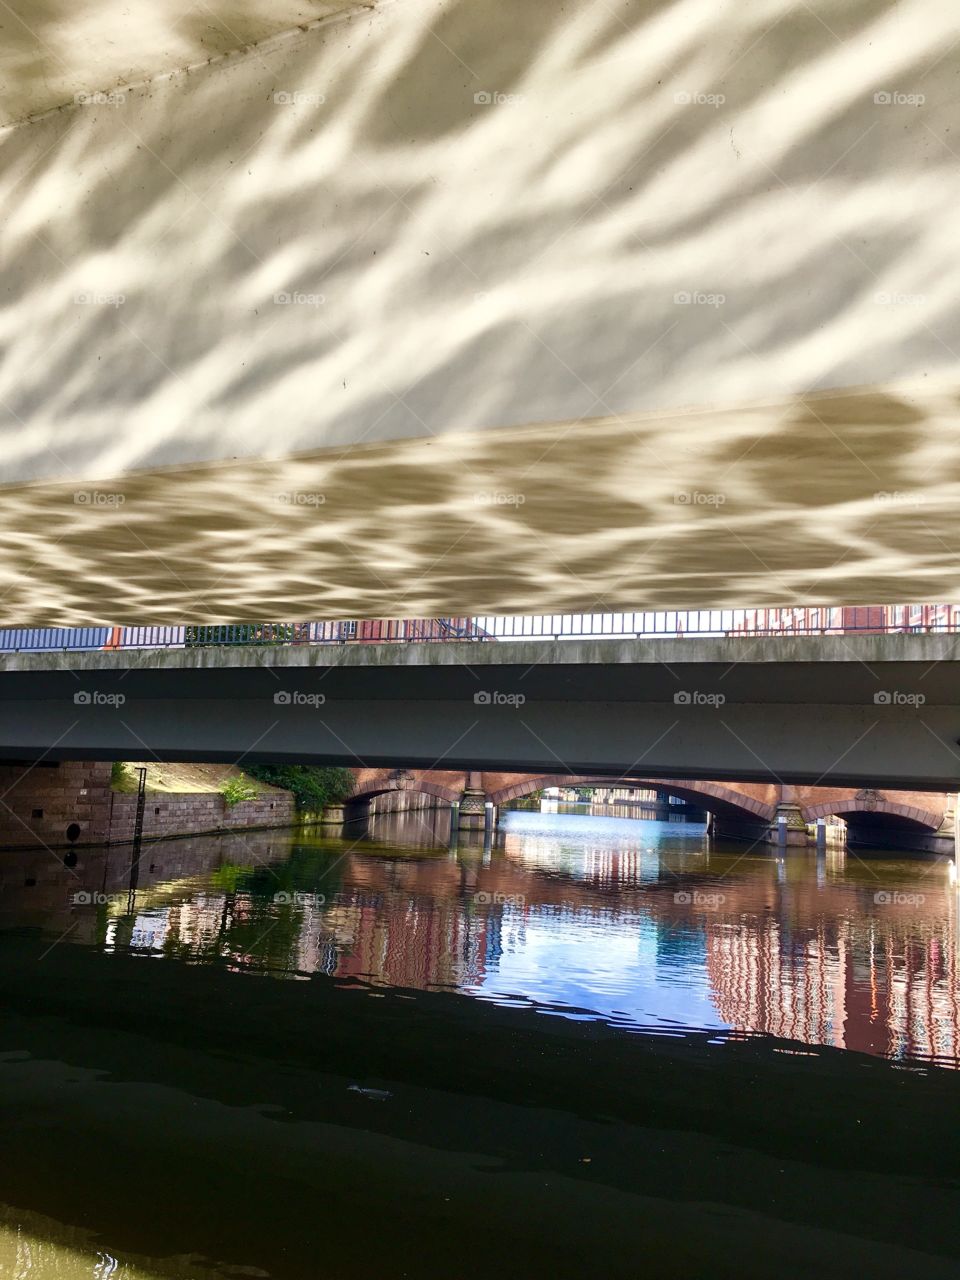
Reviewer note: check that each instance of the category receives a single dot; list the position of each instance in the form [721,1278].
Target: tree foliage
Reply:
[314,786]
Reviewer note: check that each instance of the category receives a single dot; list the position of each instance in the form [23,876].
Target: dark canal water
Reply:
[592,1046]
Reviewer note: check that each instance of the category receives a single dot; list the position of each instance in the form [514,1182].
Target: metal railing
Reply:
[729,623]
[744,624]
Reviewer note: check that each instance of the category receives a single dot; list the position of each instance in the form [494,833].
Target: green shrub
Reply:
[241,633]
[121,779]
[236,790]
[314,786]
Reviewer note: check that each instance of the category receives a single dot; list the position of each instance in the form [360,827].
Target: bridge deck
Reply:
[870,711]
[793,669]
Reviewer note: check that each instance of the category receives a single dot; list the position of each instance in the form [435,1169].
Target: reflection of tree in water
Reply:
[252,915]
[784,951]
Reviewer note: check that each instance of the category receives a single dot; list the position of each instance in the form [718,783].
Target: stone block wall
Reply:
[194,813]
[54,805]
[58,805]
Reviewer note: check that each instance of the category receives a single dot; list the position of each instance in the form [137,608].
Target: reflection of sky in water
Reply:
[626,967]
[620,969]
[577,845]
[589,916]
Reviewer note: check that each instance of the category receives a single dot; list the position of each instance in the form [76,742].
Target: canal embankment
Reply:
[79,803]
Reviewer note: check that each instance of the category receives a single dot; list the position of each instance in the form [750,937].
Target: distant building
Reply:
[849,619]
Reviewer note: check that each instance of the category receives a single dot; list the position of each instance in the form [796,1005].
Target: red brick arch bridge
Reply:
[904,819]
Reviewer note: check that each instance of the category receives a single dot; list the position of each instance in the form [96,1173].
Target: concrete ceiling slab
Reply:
[52,51]
[830,499]
[653,303]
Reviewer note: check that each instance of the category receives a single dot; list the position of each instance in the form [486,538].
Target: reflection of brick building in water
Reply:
[864,986]
[761,985]
[398,940]
[599,866]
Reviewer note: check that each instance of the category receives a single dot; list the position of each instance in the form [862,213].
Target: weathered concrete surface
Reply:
[841,667]
[52,50]
[881,711]
[670,319]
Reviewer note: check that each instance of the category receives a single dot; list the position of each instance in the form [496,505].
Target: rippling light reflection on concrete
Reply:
[479,308]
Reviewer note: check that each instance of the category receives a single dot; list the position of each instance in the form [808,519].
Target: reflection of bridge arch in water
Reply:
[840,960]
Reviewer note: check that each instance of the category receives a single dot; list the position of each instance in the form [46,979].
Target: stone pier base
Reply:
[789,827]
[472,814]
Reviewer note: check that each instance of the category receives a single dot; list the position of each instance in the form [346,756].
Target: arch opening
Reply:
[366,795]
[876,814]
[724,802]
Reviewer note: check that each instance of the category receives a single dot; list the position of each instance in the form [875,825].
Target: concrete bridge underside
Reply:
[878,819]
[861,712]
[319,309]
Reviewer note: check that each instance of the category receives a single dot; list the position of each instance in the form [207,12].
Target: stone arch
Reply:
[868,808]
[716,797]
[367,789]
